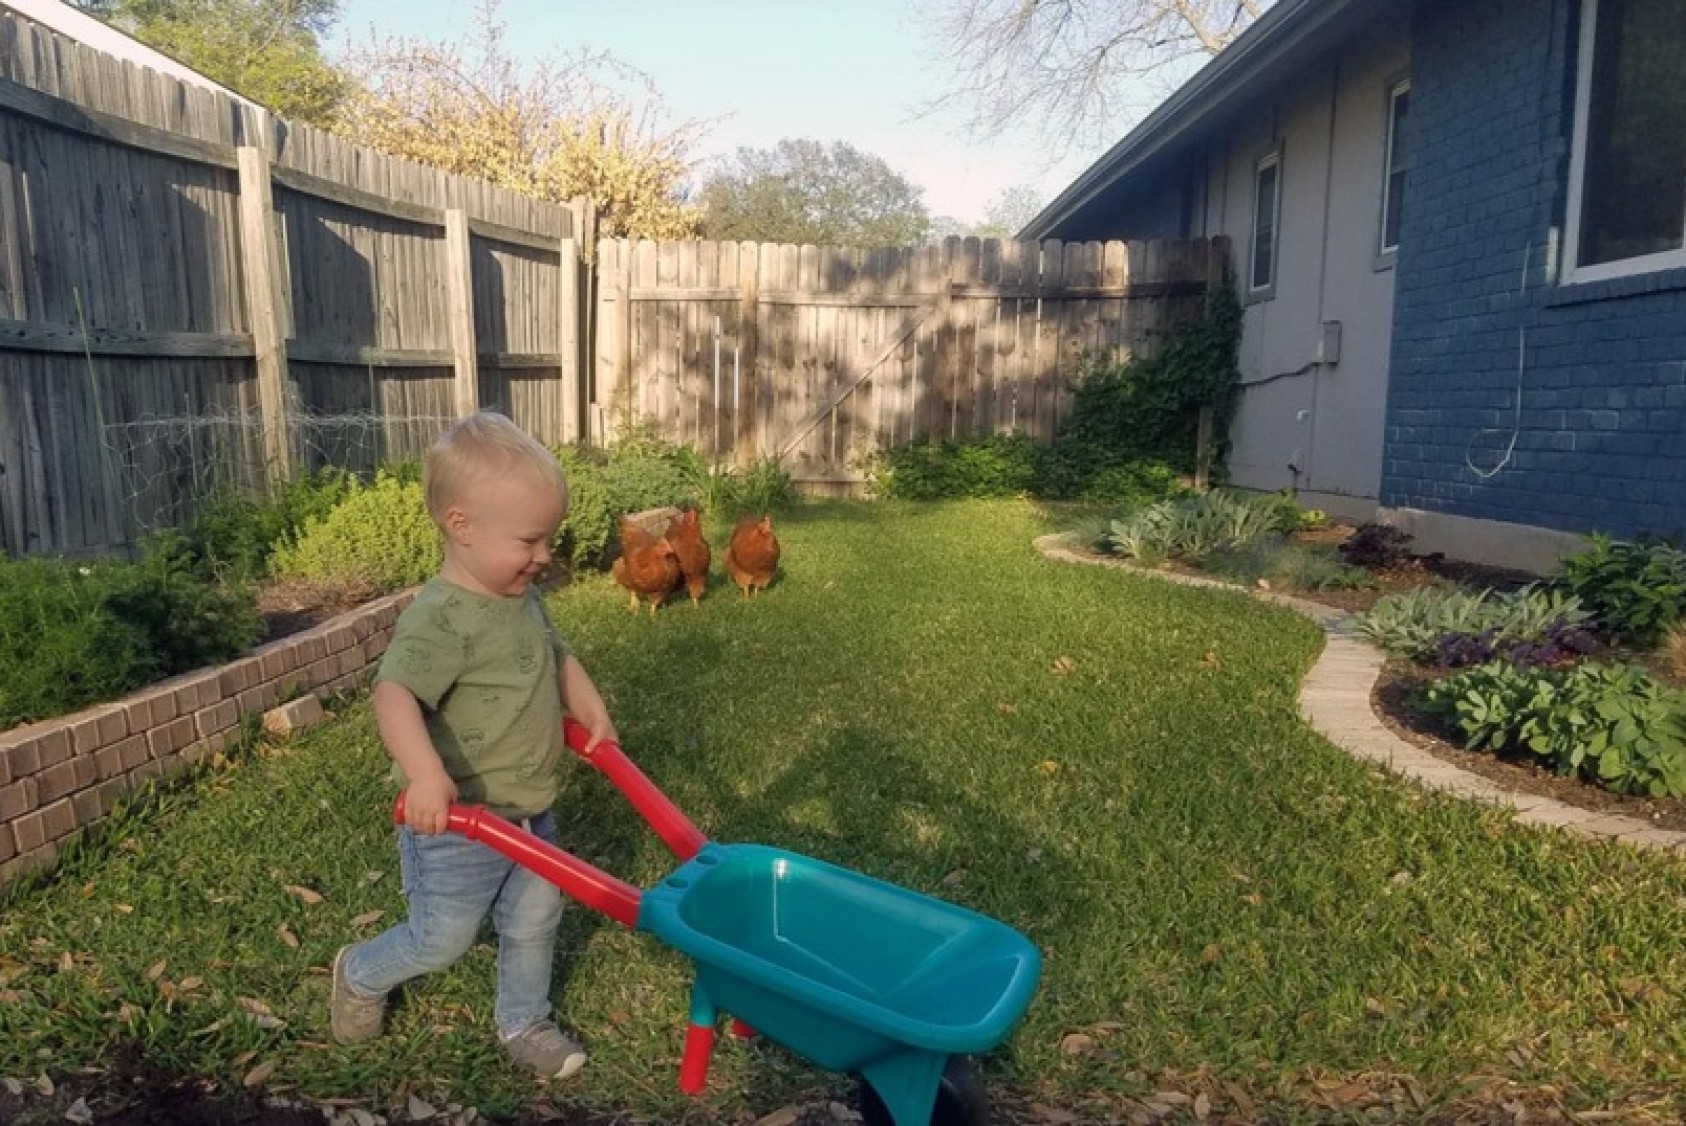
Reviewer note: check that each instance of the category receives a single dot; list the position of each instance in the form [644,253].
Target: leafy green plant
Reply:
[603,485]
[764,486]
[1290,517]
[380,534]
[1613,725]
[191,619]
[1635,590]
[233,534]
[998,466]
[1147,408]
[1195,526]
[1413,624]
[73,634]
[1286,565]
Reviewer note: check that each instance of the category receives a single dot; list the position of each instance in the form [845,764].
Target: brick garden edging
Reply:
[1335,700]
[62,775]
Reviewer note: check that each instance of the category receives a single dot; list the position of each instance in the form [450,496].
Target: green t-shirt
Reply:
[484,670]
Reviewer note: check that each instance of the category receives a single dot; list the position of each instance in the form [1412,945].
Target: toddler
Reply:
[469,699]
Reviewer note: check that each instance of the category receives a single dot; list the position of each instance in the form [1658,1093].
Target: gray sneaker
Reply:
[351,1018]
[546,1050]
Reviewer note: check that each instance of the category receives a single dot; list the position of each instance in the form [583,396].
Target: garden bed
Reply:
[1398,693]
[1395,702]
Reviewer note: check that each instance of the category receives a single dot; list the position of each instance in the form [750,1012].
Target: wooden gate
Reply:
[822,355]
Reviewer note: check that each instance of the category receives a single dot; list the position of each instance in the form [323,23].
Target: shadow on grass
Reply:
[860,797]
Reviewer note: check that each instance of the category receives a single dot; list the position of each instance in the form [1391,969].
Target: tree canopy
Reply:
[1066,66]
[807,191]
[555,130]
[1010,211]
[265,50]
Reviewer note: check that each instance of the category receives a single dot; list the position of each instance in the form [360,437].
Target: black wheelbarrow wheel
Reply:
[961,1099]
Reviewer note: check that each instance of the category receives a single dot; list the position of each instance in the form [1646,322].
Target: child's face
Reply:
[498,536]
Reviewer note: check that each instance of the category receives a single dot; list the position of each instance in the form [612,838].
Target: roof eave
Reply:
[1272,42]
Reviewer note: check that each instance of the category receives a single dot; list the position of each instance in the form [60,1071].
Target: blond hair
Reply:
[483,445]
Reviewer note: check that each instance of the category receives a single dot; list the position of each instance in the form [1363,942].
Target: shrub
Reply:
[1377,547]
[1134,485]
[636,473]
[585,529]
[1287,565]
[73,634]
[233,535]
[380,534]
[1616,726]
[1003,465]
[61,644]
[190,618]
[1635,590]
[1192,527]
[765,486]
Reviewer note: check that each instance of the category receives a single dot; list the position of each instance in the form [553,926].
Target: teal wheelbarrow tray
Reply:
[855,974]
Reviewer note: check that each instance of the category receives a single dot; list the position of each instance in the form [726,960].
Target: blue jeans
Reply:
[452,883]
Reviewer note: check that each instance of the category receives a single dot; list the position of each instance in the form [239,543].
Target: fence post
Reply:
[570,326]
[749,348]
[259,260]
[459,287]
[623,388]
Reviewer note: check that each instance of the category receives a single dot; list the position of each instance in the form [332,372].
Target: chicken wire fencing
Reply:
[161,470]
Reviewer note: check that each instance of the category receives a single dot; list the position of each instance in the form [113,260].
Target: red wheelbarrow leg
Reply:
[740,1030]
[699,1044]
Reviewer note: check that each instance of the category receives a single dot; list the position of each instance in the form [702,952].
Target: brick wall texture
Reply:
[1600,441]
[62,775]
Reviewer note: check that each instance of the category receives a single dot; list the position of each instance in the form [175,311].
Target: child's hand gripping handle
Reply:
[682,838]
[591,886]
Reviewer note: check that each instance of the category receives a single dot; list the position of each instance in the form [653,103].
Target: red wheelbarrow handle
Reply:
[590,885]
[682,838]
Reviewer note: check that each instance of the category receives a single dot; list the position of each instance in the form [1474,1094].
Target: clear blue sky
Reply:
[763,70]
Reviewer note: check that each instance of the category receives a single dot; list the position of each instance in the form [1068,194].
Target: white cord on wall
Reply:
[1521,368]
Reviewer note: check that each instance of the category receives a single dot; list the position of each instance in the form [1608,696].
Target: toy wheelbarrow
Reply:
[854,974]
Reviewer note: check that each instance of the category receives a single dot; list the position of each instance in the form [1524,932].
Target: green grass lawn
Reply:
[1111,764]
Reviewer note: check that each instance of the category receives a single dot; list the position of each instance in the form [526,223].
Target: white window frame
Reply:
[1266,291]
[1386,253]
[1573,273]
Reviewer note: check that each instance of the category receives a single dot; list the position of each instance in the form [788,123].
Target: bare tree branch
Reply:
[1066,67]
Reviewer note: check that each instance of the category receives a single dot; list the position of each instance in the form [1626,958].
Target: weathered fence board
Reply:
[822,355]
[131,255]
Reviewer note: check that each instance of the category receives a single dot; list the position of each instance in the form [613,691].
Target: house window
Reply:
[1393,182]
[1627,187]
[1267,209]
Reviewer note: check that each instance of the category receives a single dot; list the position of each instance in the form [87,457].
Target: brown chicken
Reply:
[753,555]
[646,566]
[692,551]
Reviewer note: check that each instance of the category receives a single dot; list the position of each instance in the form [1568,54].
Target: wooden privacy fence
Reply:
[821,355]
[195,295]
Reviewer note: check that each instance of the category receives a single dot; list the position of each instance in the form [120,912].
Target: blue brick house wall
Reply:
[1600,441]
